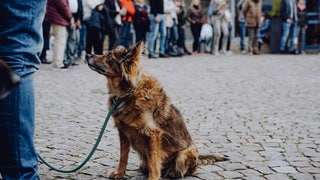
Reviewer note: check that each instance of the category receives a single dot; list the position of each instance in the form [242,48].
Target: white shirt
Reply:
[73,5]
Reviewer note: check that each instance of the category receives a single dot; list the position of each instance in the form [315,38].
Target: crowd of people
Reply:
[84,25]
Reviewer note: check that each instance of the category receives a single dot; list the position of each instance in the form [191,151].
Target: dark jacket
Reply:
[112,7]
[287,12]
[58,12]
[101,20]
[156,7]
[302,17]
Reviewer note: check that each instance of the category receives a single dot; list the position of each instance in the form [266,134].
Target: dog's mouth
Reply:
[97,69]
[94,67]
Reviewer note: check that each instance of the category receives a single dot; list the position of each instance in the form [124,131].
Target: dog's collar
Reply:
[119,100]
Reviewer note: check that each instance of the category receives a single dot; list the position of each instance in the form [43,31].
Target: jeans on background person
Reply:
[288,31]
[242,30]
[125,35]
[21,43]
[155,28]
[82,39]
[71,46]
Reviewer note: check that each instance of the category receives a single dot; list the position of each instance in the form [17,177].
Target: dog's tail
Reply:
[209,159]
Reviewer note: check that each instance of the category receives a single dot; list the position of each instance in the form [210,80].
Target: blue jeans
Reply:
[242,29]
[155,28]
[21,43]
[288,31]
[124,35]
[71,47]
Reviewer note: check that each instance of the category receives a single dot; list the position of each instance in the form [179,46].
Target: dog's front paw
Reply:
[115,174]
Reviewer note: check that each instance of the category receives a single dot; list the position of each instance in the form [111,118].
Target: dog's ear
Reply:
[134,52]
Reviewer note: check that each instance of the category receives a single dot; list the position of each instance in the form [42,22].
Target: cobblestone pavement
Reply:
[262,111]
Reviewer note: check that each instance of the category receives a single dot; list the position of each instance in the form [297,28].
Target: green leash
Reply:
[112,108]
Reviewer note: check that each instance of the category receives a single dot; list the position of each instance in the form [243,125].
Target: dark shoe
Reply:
[152,56]
[282,52]
[187,52]
[74,64]
[164,55]
[65,67]
[45,61]
[293,52]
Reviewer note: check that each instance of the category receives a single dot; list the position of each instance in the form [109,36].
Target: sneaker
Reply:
[152,56]
[164,55]
[216,53]
[243,52]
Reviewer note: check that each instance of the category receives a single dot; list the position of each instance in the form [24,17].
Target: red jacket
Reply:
[58,12]
[128,4]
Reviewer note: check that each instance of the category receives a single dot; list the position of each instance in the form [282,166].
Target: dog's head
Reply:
[8,79]
[119,62]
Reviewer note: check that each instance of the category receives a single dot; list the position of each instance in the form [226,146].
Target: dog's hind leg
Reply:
[124,155]
[186,163]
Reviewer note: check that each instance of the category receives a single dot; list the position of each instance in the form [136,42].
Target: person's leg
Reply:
[217,34]
[292,35]
[194,35]
[163,33]
[242,28]
[21,41]
[17,134]
[124,36]
[284,37]
[250,40]
[60,39]
[152,35]
[225,31]
[46,38]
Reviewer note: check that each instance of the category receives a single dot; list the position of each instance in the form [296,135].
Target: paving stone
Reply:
[285,169]
[277,176]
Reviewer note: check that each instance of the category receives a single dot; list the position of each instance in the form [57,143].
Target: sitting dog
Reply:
[8,79]
[145,118]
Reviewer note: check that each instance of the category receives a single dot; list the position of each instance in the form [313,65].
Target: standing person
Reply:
[58,14]
[181,26]
[115,12]
[141,22]
[289,24]
[91,16]
[242,27]
[194,16]
[21,43]
[302,25]
[72,37]
[217,10]
[206,36]
[157,23]
[171,21]
[252,13]
[125,34]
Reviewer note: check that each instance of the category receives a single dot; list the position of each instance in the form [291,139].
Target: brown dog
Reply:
[8,79]
[146,119]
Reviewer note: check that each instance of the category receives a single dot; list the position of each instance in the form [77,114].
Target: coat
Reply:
[101,20]
[58,12]
[252,13]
